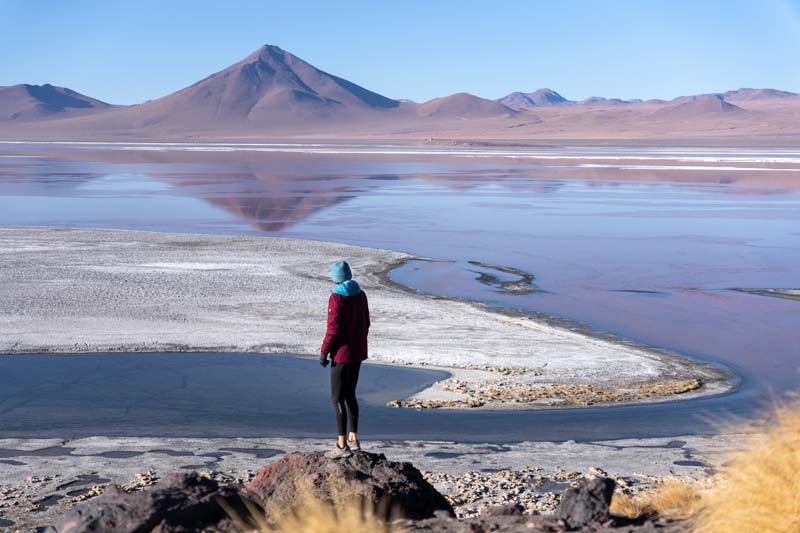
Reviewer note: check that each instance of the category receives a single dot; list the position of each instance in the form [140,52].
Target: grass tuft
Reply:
[758,492]
[760,489]
[674,499]
[350,513]
[628,506]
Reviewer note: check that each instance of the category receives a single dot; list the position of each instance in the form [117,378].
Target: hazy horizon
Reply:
[129,54]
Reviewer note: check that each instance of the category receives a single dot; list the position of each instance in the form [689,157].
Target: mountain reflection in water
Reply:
[651,252]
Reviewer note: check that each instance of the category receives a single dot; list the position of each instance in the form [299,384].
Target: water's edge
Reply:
[718,378]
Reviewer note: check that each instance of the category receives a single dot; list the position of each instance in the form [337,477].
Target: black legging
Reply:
[344,378]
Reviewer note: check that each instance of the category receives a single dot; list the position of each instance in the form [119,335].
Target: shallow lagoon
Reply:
[214,395]
[651,258]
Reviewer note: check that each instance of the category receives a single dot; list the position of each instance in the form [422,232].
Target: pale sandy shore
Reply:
[788,294]
[85,290]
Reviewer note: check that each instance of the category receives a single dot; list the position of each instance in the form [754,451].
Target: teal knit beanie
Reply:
[340,272]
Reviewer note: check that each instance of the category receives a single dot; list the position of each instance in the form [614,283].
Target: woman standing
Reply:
[346,344]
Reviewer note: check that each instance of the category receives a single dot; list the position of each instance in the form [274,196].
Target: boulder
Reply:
[179,503]
[510,509]
[587,503]
[392,487]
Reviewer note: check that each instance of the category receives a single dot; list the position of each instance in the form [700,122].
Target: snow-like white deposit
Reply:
[83,290]
[696,155]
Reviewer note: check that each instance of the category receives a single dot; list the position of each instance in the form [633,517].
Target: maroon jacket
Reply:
[348,326]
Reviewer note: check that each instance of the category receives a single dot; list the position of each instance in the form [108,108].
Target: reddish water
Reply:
[652,261]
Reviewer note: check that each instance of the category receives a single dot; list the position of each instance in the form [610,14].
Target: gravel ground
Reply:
[40,478]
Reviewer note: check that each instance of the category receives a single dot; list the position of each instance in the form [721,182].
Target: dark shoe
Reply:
[339,453]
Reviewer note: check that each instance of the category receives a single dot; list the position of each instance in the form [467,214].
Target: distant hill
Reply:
[740,95]
[599,100]
[687,107]
[540,97]
[756,94]
[31,102]
[463,105]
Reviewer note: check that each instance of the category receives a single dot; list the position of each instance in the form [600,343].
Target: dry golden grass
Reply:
[760,491]
[674,499]
[314,515]
[628,506]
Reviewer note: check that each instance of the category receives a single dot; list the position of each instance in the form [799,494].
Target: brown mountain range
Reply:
[274,94]
[24,102]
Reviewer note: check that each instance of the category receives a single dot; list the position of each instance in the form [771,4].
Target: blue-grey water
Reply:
[653,259]
[250,395]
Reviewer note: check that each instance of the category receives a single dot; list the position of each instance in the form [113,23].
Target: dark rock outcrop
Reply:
[533,524]
[179,503]
[583,508]
[391,486]
[185,503]
[587,503]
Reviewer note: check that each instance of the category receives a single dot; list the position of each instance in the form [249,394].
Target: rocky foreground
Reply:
[42,479]
[396,491]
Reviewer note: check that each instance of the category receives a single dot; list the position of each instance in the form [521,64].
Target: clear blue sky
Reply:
[130,51]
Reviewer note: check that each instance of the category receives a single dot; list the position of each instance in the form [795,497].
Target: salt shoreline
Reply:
[88,290]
